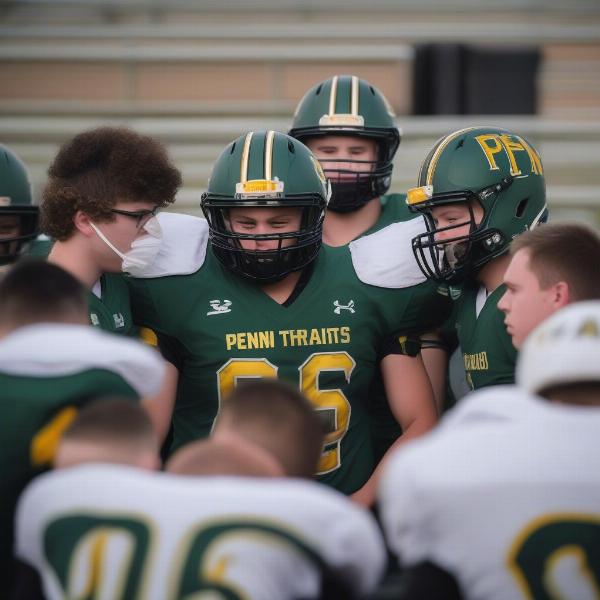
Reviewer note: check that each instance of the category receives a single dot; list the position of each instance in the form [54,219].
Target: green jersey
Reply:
[385,427]
[40,247]
[112,310]
[393,210]
[218,329]
[46,373]
[487,349]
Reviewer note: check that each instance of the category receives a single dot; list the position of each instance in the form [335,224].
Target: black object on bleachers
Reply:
[456,79]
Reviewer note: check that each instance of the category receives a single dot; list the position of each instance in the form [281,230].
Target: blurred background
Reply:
[196,74]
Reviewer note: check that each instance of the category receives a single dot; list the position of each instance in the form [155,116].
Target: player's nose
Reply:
[266,244]
[441,236]
[503,302]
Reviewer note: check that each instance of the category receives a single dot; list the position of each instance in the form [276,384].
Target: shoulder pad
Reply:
[385,258]
[54,350]
[183,247]
[498,404]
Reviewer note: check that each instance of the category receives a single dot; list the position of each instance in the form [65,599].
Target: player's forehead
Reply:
[454,210]
[519,267]
[341,142]
[261,214]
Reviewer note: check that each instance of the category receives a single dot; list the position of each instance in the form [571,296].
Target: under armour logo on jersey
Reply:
[219,307]
[455,292]
[340,307]
[119,320]
[94,320]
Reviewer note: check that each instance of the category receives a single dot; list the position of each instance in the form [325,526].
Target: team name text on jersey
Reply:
[256,340]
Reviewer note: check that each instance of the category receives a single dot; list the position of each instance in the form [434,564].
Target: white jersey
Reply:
[53,350]
[505,495]
[115,532]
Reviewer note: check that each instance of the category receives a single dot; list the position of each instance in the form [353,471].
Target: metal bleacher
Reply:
[198,74]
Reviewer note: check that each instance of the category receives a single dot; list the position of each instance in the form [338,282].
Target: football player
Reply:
[550,267]
[104,189]
[479,188]
[110,430]
[266,300]
[505,494]
[218,524]
[277,418]
[18,214]
[52,363]
[350,127]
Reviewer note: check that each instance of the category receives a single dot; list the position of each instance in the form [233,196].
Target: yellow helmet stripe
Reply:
[354,96]
[269,155]
[439,150]
[333,95]
[245,156]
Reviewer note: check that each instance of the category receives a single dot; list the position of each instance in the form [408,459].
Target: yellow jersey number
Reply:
[558,556]
[332,403]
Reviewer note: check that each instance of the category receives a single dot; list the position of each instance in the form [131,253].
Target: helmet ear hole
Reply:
[232,148]
[521,208]
[291,147]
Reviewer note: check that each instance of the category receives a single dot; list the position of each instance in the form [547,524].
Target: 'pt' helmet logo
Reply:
[219,307]
[510,145]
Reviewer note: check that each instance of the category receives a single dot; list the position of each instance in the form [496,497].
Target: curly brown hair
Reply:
[97,169]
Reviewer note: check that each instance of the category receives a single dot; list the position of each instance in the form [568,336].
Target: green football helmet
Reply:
[496,169]
[18,216]
[347,105]
[266,169]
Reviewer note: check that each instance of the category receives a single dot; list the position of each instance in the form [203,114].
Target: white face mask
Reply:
[143,249]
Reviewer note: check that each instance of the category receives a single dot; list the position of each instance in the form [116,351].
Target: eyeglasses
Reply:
[141,216]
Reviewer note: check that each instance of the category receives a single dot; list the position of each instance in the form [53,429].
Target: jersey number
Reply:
[558,557]
[112,556]
[332,404]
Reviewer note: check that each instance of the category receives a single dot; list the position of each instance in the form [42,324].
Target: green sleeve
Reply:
[425,308]
[143,306]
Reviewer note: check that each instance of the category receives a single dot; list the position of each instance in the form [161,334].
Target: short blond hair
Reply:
[218,457]
[277,417]
[114,429]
